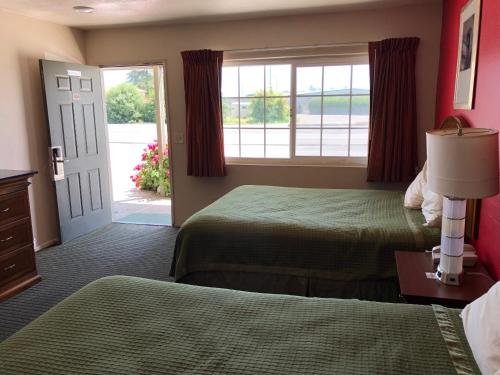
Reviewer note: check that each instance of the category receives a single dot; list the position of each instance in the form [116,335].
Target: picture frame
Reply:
[470,17]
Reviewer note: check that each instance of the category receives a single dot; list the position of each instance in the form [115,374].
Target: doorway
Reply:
[137,130]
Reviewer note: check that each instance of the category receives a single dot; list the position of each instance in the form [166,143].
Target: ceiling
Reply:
[126,12]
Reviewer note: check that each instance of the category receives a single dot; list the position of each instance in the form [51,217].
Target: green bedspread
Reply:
[125,325]
[342,236]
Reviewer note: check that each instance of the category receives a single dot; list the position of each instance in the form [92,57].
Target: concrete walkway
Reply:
[132,205]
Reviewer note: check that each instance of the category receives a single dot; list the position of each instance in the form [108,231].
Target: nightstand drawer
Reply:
[13,207]
[16,263]
[14,236]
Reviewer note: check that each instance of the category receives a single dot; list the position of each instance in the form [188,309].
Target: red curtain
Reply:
[204,133]
[392,148]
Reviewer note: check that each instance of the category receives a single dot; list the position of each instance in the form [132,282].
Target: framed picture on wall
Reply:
[467,55]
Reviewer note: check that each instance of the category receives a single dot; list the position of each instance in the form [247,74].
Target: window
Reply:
[329,104]
[256,111]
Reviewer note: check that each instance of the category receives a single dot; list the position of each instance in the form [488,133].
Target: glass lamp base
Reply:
[450,269]
[449,278]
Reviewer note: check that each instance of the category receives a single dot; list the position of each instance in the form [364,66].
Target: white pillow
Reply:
[481,320]
[432,205]
[413,195]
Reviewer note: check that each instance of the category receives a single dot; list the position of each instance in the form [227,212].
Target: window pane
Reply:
[278,143]
[252,136]
[309,80]
[360,79]
[231,151]
[231,135]
[308,111]
[231,141]
[337,80]
[307,142]
[252,151]
[278,80]
[277,112]
[252,80]
[278,152]
[252,143]
[252,112]
[230,81]
[230,111]
[359,142]
[277,137]
[360,111]
[335,142]
[336,111]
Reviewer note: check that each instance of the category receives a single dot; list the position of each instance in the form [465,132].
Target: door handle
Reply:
[57,160]
[6,209]
[7,239]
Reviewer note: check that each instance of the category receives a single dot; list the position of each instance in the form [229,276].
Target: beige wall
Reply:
[23,129]
[148,44]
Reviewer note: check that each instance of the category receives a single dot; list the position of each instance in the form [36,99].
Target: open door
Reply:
[74,106]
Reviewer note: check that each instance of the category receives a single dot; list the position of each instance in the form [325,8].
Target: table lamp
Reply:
[462,164]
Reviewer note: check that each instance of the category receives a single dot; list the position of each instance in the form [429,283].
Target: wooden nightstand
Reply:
[415,287]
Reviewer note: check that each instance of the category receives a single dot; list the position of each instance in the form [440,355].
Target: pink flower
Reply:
[138,167]
[152,146]
[137,184]
[144,156]
[167,173]
[165,152]
[154,160]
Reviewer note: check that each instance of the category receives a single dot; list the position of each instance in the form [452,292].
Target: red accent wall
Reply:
[486,111]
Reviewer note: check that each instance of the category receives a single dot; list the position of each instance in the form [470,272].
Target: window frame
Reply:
[294,160]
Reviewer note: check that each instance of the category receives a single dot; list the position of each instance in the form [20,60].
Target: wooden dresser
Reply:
[17,255]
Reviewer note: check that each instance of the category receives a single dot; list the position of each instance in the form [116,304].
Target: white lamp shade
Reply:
[463,166]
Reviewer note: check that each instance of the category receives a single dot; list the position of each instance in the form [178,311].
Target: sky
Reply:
[113,77]
[277,77]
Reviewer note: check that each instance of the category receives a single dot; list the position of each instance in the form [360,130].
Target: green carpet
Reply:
[117,249]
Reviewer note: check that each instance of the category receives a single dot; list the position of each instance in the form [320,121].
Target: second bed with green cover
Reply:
[125,325]
[310,242]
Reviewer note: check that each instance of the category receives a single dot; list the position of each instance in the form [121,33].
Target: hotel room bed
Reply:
[126,325]
[310,242]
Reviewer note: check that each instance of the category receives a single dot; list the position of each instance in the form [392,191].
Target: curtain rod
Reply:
[284,48]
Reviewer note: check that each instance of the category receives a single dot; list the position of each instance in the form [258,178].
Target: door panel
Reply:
[67,132]
[74,106]
[90,129]
[95,190]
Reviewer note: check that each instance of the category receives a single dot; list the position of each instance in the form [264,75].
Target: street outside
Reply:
[333,139]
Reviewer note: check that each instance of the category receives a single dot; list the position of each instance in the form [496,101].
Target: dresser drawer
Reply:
[14,206]
[16,264]
[14,236]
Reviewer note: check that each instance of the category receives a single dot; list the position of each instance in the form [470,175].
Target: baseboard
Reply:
[46,244]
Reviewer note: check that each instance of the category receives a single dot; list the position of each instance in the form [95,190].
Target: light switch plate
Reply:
[178,137]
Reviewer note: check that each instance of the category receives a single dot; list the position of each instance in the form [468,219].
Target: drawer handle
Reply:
[7,239]
[9,267]
[6,209]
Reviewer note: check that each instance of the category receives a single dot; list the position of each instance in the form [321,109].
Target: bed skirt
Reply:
[382,290]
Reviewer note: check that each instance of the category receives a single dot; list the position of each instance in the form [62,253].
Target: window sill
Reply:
[301,162]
